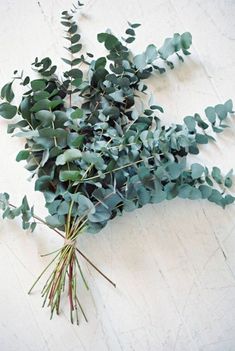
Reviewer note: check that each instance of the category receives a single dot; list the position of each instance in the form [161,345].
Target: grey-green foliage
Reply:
[102,155]
[24,211]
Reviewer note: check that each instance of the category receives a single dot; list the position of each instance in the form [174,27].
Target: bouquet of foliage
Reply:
[94,154]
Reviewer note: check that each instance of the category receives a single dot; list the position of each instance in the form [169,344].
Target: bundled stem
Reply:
[65,271]
[67,266]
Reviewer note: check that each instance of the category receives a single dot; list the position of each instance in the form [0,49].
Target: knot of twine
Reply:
[69,242]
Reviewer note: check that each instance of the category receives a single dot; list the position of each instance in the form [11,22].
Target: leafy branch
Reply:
[98,155]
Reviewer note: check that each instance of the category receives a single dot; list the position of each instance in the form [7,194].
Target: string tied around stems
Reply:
[69,242]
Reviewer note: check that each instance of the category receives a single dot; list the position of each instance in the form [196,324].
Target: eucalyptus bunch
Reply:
[94,153]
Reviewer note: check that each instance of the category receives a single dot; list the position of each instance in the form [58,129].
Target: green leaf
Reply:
[54,103]
[26,81]
[52,133]
[60,119]
[75,48]
[205,191]
[129,205]
[69,175]
[210,114]
[158,196]
[217,130]
[171,190]
[4,197]
[94,158]
[201,138]
[7,110]
[53,206]
[77,82]
[63,208]
[101,62]
[25,204]
[25,107]
[140,61]
[167,49]
[68,156]
[144,195]
[130,31]
[175,44]
[28,134]
[21,124]
[73,29]
[197,170]
[151,53]
[193,149]
[55,221]
[110,41]
[75,73]
[216,197]
[130,40]
[85,205]
[185,191]
[75,141]
[107,197]
[221,111]
[195,194]
[101,214]
[43,183]
[38,84]
[78,113]
[228,182]
[40,95]
[228,199]
[190,123]
[229,106]
[65,23]
[156,107]
[216,175]
[200,122]
[43,104]
[209,181]
[7,92]
[22,155]
[117,96]
[101,37]
[174,170]
[134,25]
[46,117]
[75,38]
[186,40]
[67,61]
[33,226]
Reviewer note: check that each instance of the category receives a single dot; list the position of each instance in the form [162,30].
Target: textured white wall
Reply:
[174,263]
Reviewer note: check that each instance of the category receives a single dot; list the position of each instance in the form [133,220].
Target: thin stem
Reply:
[50,253]
[79,251]
[118,168]
[53,127]
[71,288]
[82,275]
[42,273]
[96,268]
[80,306]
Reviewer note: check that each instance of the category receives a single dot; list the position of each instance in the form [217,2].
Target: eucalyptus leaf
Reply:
[68,156]
[197,170]
[7,92]
[7,110]
[22,155]
[69,175]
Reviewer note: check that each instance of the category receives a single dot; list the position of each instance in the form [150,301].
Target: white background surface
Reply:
[174,263]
